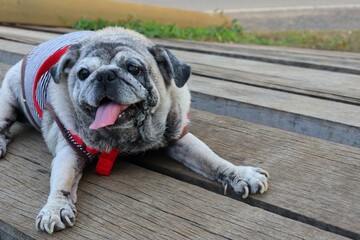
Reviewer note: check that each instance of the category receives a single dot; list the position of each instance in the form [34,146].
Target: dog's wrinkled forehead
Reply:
[107,42]
[111,46]
[108,51]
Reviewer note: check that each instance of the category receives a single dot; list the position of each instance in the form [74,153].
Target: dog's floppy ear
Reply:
[171,67]
[62,67]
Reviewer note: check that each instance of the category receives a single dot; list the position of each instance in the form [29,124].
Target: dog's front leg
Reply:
[9,105]
[59,211]
[196,155]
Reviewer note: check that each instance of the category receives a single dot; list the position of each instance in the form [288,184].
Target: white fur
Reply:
[59,211]
[196,155]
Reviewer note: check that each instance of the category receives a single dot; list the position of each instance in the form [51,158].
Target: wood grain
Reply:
[295,79]
[339,88]
[133,203]
[346,62]
[305,81]
[321,118]
[333,121]
[313,181]
[313,185]
[317,59]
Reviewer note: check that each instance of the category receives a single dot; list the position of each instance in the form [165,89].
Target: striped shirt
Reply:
[35,81]
[36,75]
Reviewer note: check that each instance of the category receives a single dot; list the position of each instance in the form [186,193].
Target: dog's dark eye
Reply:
[134,70]
[83,74]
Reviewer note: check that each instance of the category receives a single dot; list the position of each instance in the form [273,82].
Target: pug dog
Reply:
[96,94]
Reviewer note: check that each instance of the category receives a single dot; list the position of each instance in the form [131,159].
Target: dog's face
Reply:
[118,81]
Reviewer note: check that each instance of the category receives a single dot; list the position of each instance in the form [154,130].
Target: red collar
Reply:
[106,159]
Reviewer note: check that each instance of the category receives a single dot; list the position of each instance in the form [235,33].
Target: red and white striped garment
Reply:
[36,73]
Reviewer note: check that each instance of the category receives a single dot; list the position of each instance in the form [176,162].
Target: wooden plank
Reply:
[318,59]
[282,101]
[299,80]
[133,203]
[328,120]
[312,181]
[240,153]
[25,36]
[345,62]
[339,87]
[317,83]
[332,121]
[12,52]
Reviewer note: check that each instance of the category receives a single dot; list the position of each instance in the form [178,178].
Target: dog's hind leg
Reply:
[9,105]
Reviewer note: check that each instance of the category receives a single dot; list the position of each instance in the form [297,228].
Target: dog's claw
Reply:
[225,187]
[37,223]
[49,228]
[56,216]
[246,193]
[245,180]
[68,221]
[263,172]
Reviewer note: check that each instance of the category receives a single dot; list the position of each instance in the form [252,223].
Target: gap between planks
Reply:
[237,155]
[132,203]
[329,120]
[314,181]
[345,62]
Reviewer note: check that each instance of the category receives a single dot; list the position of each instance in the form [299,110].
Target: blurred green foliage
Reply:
[234,33]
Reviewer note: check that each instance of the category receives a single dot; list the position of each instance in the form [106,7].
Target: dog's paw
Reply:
[56,216]
[246,180]
[2,148]
[4,141]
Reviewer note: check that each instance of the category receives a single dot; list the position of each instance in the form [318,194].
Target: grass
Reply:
[234,33]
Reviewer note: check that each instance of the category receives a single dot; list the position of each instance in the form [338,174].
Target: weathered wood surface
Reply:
[12,52]
[329,120]
[304,81]
[279,101]
[133,203]
[346,62]
[311,180]
[316,59]
[25,36]
[322,118]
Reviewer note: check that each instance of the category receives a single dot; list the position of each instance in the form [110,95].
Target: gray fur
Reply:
[171,67]
[161,102]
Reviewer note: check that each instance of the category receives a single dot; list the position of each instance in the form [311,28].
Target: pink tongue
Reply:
[107,114]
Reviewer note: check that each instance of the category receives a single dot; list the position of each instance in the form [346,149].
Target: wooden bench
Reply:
[313,186]
[314,93]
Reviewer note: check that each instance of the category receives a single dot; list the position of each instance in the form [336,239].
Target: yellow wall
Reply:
[63,13]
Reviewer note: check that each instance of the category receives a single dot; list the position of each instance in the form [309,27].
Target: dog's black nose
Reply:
[106,76]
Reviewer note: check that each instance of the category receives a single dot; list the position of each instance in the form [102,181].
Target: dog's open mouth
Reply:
[111,113]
